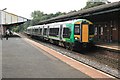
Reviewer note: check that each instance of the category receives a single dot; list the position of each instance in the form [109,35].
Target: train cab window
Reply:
[91,29]
[66,33]
[77,29]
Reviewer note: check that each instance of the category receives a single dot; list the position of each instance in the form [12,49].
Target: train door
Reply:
[42,30]
[60,33]
[84,32]
[48,31]
[39,31]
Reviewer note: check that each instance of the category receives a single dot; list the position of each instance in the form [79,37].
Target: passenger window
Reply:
[36,31]
[66,33]
[54,32]
[92,29]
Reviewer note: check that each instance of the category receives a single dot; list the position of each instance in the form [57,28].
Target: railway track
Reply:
[99,58]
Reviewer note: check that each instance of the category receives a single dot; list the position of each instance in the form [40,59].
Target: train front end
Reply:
[84,33]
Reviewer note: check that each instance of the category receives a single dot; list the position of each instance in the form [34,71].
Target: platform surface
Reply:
[22,60]
[110,46]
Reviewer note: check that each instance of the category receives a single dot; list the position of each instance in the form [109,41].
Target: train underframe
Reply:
[68,45]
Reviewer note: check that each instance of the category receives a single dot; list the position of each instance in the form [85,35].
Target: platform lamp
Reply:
[1,26]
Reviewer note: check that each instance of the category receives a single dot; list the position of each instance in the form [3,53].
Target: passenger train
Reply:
[71,34]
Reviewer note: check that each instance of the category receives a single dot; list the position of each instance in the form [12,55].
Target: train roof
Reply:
[59,23]
[70,21]
[29,27]
[36,26]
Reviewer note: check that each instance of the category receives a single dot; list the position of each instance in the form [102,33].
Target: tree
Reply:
[93,3]
[37,16]
[40,16]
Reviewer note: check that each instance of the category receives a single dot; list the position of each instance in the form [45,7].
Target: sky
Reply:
[25,7]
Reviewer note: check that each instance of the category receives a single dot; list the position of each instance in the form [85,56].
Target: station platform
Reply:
[110,46]
[23,60]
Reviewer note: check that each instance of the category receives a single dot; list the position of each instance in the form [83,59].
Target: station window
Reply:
[66,33]
[91,29]
[101,30]
[95,30]
[105,30]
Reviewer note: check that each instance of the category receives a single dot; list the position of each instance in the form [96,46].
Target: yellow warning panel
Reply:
[78,23]
[85,33]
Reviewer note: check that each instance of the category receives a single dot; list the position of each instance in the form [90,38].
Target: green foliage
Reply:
[15,29]
[93,4]
[40,16]
[37,16]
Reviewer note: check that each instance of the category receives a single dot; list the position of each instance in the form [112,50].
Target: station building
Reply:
[106,22]
[8,20]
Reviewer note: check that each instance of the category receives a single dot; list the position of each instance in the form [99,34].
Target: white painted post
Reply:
[1,26]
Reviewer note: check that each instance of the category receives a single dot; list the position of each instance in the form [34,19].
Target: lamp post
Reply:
[1,26]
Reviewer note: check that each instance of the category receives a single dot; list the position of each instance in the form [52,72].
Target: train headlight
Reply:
[76,38]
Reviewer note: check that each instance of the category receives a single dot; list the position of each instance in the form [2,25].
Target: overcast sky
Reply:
[25,7]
